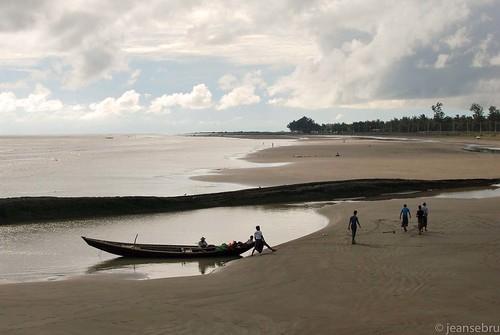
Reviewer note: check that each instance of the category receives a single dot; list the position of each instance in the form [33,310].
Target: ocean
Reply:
[119,165]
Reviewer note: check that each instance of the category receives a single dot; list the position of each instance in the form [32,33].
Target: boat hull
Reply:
[164,251]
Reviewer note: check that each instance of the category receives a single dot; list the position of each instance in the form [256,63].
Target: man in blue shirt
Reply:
[404,215]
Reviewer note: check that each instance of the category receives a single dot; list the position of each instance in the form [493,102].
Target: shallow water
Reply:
[52,251]
[120,165]
[472,194]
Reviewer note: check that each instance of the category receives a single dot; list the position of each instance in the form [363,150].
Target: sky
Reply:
[151,66]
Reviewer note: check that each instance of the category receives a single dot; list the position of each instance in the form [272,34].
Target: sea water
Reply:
[119,165]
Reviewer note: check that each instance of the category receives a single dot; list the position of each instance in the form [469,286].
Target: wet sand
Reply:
[398,283]
[315,159]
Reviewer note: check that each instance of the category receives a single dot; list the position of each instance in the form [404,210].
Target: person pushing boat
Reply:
[260,242]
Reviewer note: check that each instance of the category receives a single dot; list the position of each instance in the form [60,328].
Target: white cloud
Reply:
[243,95]
[482,56]
[133,77]
[128,102]
[495,60]
[276,101]
[441,61]
[383,104]
[8,102]
[242,92]
[458,39]
[227,82]
[199,98]
[36,102]
[38,105]
[13,85]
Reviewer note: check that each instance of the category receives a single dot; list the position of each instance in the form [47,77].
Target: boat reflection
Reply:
[120,264]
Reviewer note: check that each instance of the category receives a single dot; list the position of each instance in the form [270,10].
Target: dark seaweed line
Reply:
[36,209]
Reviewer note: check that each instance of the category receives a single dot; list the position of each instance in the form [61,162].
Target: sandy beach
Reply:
[315,160]
[401,283]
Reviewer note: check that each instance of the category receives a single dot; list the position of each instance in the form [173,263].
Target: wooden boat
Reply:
[166,251]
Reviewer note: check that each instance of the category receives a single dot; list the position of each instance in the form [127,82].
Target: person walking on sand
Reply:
[404,216]
[353,225]
[260,242]
[426,214]
[420,218]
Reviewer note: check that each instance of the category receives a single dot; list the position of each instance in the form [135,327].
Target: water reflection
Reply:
[143,266]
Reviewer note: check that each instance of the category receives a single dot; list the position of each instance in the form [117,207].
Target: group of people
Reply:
[257,240]
[422,215]
[404,216]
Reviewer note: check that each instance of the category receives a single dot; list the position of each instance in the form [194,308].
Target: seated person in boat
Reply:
[202,243]
[250,242]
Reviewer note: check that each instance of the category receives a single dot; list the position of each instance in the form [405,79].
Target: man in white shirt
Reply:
[259,241]
[426,213]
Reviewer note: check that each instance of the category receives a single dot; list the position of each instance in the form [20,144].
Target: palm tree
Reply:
[494,116]
[477,114]
[438,113]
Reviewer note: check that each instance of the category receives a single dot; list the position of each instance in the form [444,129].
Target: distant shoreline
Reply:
[37,209]
[287,134]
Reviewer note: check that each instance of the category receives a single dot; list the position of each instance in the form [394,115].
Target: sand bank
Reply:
[315,160]
[31,209]
[399,283]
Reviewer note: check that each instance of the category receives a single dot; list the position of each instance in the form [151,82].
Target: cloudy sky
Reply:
[123,66]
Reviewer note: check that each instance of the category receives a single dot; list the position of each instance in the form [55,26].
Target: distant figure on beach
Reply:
[404,215]
[202,243]
[260,242]
[353,225]
[426,214]
[337,155]
[420,218]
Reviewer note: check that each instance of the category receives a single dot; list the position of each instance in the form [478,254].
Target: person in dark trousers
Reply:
[260,242]
[420,218]
[404,217]
[426,214]
[353,225]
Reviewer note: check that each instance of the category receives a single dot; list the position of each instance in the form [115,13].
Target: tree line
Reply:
[479,121]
